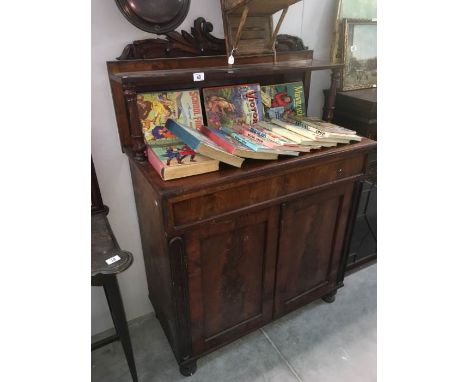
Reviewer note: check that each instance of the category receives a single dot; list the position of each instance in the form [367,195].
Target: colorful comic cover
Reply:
[155,108]
[280,98]
[229,105]
[178,161]
[177,154]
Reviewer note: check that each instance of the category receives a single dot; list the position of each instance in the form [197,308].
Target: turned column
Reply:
[138,142]
[329,106]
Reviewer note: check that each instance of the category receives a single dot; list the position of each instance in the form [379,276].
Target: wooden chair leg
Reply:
[114,299]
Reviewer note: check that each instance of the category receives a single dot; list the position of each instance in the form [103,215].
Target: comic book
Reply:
[283,98]
[202,144]
[328,129]
[297,138]
[277,139]
[233,146]
[174,161]
[229,105]
[155,108]
[301,130]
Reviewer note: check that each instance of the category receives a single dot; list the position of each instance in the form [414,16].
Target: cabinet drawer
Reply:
[210,204]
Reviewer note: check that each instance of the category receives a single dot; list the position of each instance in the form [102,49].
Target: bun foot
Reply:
[188,369]
[330,297]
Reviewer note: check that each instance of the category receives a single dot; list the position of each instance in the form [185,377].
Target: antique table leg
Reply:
[114,299]
[188,369]
[330,297]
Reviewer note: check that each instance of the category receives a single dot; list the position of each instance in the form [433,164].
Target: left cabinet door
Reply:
[231,272]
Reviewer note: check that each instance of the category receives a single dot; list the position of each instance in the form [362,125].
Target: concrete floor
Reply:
[318,343]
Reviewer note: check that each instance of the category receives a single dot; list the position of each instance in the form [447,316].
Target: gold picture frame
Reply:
[359,48]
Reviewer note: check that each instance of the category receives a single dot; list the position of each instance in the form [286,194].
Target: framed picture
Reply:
[358,9]
[349,9]
[359,48]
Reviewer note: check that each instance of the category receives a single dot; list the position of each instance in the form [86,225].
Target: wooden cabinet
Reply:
[229,251]
[234,265]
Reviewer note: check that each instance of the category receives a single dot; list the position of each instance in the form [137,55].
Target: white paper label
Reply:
[199,76]
[113,259]
[231,60]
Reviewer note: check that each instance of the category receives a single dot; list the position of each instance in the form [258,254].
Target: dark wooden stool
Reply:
[107,260]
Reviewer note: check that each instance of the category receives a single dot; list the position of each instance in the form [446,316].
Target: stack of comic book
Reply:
[171,157]
[245,121]
[267,119]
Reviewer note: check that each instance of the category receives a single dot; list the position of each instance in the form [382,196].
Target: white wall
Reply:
[311,19]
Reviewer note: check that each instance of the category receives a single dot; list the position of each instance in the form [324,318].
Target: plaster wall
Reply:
[310,19]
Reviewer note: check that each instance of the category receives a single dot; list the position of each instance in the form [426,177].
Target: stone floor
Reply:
[318,343]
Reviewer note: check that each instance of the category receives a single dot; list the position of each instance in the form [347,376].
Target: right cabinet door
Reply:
[312,232]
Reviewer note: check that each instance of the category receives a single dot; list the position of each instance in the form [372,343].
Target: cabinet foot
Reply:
[330,297]
[188,369]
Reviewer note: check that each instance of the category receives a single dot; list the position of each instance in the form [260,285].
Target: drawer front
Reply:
[212,204]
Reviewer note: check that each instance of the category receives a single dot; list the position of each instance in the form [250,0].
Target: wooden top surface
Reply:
[250,169]
[369,95]
[142,77]
[104,246]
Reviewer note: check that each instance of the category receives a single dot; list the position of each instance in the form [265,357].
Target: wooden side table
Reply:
[357,110]
[104,272]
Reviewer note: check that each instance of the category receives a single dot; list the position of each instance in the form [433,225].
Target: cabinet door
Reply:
[311,239]
[231,272]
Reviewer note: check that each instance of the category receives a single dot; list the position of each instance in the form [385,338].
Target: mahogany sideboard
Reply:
[228,252]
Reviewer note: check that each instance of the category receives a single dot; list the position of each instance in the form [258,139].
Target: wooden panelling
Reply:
[114,67]
[255,34]
[311,232]
[155,254]
[231,269]
[215,203]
